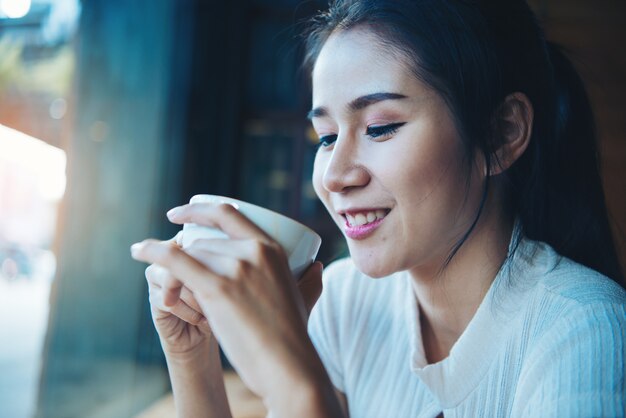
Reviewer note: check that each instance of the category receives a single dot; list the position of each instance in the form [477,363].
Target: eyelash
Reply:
[385,130]
[374,132]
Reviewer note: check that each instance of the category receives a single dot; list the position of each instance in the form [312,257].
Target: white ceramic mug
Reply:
[299,242]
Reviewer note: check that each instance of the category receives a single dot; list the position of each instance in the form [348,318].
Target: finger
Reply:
[223,217]
[181,309]
[171,289]
[156,275]
[189,271]
[185,312]
[223,265]
[243,249]
[187,296]
[310,285]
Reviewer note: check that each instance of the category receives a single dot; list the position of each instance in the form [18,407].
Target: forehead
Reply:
[354,63]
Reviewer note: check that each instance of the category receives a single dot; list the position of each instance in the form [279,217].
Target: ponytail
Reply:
[569,212]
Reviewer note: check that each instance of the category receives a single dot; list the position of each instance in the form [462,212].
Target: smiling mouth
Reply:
[356,219]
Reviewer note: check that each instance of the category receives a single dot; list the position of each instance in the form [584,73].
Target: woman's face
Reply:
[390,169]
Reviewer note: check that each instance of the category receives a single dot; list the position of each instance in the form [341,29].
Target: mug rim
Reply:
[284,218]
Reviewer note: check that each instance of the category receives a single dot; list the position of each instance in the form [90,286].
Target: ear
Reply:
[513,124]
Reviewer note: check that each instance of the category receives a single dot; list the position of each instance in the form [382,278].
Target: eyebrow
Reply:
[358,103]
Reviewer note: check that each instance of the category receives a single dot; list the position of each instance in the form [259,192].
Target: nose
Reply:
[344,171]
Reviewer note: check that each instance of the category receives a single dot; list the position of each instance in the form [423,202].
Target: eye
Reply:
[376,132]
[327,140]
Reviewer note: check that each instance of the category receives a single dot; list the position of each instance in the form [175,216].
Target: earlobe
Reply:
[513,123]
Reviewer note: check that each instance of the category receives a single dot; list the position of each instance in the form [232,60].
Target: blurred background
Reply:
[112,112]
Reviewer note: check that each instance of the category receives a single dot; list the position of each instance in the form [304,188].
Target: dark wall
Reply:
[593,33]
[247,134]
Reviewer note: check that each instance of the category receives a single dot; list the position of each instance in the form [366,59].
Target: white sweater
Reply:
[548,340]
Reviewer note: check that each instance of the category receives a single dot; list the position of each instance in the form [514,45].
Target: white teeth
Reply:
[364,218]
[360,219]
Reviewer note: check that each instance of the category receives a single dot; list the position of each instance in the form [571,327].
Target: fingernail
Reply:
[172,213]
[135,248]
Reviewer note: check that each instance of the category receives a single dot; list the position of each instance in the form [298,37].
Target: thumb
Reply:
[310,285]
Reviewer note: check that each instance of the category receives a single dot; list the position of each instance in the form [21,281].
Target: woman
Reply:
[457,155]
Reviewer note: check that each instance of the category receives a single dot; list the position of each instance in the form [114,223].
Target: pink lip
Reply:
[362,231]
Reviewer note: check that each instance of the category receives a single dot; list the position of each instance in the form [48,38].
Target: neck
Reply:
[448,300]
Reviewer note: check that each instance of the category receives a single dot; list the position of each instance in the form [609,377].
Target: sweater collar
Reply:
[454,378]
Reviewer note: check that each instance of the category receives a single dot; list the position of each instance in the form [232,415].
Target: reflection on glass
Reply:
[35,79]
[32,183]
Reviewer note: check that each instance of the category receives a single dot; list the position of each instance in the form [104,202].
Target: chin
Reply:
[371,266]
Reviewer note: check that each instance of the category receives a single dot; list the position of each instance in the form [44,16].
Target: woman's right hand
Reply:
[178,319]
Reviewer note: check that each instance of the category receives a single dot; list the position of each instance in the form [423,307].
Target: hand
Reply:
[191,351]
[244,287]
[177,317]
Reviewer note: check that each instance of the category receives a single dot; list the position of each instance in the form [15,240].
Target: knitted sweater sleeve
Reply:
[577,367]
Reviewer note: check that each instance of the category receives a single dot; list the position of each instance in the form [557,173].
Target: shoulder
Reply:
[575,363]
[564,282]
[575,328]
[581,284]
[574,309]
[567,301]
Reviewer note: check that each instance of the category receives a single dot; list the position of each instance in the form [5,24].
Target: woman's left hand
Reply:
[245,289]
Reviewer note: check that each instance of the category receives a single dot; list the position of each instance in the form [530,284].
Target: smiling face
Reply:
[390,169]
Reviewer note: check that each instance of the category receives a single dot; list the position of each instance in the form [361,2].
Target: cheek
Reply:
[421,166]
[428,174]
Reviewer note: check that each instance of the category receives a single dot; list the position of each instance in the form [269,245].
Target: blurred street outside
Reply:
[23,320]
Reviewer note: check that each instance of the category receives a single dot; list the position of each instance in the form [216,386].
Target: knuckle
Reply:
[276,248]
[195,317]
[224,209]
[256,251]
[267,251]
[155,299]
[224,288]
[242,269]
[168,281]
[154,273]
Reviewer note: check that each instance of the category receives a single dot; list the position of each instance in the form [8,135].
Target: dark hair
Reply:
[474,54]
